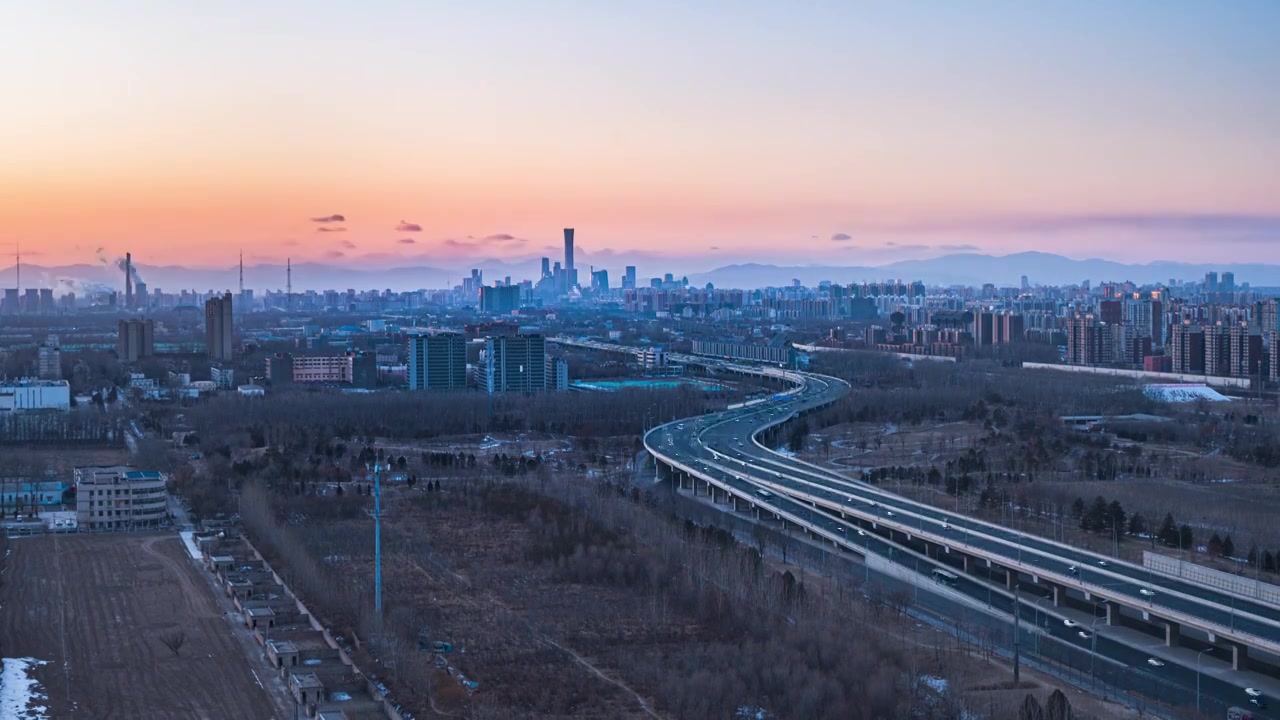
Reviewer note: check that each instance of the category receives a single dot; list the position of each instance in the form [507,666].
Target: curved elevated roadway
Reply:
[722,450]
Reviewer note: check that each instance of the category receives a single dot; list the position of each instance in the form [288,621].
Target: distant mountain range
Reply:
[960,269]
[974,269]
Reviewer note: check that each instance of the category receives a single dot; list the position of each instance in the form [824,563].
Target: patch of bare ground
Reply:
[103,610]
[564,597]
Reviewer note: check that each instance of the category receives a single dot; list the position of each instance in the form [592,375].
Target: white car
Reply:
[888,513]
[1146,593]
[1155,663]
[1073,570]
[862,534]
[1084,635]
[1253,692]
[1102,563]
[1071,623]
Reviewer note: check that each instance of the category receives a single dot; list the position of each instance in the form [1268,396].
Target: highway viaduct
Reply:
[722,457]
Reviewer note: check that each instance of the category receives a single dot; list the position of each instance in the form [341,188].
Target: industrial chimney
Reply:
[128,281]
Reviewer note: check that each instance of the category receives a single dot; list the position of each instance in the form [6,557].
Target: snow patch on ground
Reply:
[747,712]
[1183,393]
[19,693]
[339,696]
[936,684]
[189,540]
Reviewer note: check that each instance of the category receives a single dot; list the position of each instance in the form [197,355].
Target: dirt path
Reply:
[601,674]
[196,599]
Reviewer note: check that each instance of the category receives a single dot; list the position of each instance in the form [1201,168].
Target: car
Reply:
[840,530]
[1102,563]
[889,513]
[1073,570]
[1153,662]
[1258,702]
[1146,593]
[1253,692]
[1084,635]
[1070,623]
[862,533]
[945,526]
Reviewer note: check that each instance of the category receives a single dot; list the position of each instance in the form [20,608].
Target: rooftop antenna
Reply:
[17,265]
[288,282]
[241,273]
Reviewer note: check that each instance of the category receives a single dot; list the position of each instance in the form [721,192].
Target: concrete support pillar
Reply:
[697,487]
[1113,613]
[1172,633]
[1010,578]
[966,560]
[1059,595]
[1239,657]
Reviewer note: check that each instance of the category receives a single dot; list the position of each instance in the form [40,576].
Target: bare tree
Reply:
[174,641]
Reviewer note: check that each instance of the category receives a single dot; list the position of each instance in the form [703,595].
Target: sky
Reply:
[716,131]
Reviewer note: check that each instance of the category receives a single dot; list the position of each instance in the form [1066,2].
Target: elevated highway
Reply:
[720,455]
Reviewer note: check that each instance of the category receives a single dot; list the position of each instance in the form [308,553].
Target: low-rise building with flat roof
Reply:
[120,498]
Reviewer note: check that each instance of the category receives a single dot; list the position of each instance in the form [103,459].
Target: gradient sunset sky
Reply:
[836,132]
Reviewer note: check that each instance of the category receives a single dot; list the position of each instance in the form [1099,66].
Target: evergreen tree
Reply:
[1168,532]
[1186,538]
[1116,516]
[1253,555]
[1215,545]
[1228,547]
[1077,508]
[1096,519]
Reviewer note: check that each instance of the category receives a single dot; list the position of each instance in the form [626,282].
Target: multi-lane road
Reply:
[722,449]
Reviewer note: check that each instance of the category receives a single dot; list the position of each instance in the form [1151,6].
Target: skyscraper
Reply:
[514,363]
[136,340]
[218,326]
[546,267]
[571,275]
[438,362]
[629,278]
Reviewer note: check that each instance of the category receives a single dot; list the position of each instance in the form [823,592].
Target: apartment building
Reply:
[120,498]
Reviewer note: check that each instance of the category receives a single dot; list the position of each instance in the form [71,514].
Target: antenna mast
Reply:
[288,282]
[241,273]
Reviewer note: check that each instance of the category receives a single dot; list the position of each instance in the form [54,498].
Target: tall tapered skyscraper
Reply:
[571,275]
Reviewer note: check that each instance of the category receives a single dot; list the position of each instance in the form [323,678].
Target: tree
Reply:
[174,641]
[1168,532]
[1077,508]
[1215,545]
[1137,526]
[1116,517]
[1186,538]
[1096,518]
[1253,555]
[1228,547]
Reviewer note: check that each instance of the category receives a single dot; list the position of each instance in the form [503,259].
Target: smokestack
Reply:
[128,281]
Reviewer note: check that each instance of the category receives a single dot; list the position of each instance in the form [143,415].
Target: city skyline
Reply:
[714,134]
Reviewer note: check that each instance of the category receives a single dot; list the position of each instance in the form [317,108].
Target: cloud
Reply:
[348,245]
[407,241]
[408,227]
[714,247]
[502,237]
[335,254]
[331,229]
[959,248]
[841,237]
[330,219]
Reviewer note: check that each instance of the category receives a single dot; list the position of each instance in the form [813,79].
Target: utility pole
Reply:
[377,534]
[1016,630]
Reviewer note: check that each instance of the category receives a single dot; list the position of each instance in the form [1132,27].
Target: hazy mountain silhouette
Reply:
[958,269]
[975,269]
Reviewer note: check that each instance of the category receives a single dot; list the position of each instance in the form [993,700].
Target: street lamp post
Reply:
[1046,625]
[1202,652]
